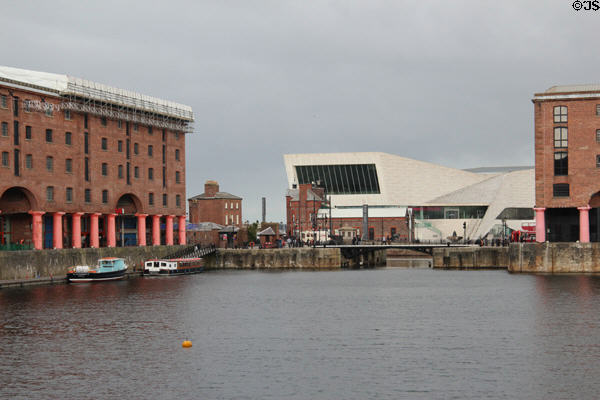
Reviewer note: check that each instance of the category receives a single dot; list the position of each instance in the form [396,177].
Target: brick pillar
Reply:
[57,240]
[181,229]
[141,226]
[169,230]
[111,239]
[94,240]
[76,234]
[156,230]
[36,224]
[584,224]
[540,224]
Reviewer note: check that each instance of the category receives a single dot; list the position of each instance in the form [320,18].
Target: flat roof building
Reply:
[85,164]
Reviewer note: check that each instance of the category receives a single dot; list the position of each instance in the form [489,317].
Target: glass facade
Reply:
[341,179]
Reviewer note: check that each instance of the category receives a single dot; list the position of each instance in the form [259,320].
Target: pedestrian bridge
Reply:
[421,247]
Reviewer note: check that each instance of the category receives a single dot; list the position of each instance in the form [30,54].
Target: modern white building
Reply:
[442,200]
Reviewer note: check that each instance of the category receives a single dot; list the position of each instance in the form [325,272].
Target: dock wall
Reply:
[294,258]
[554,257]
[35,264]
[471,257]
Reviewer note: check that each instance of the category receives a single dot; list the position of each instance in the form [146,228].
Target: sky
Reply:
[448,82]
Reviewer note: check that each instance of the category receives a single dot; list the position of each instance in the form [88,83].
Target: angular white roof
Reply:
[402,181]
[64,85]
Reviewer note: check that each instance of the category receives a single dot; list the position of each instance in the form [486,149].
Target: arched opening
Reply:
[15,220]
[595,218]
[126,222]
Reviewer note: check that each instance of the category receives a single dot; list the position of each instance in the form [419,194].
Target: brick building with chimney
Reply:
[215,206]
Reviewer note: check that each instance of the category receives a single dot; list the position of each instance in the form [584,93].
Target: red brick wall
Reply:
[583,176]
[213,210]
[38,178]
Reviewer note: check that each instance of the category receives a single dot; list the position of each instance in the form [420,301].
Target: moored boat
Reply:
[175,266]
[108,269]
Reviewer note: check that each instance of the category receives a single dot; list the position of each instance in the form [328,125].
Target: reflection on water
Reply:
[386,333]
[405,262]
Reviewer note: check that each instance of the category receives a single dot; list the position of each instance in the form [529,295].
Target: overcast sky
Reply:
[448,82]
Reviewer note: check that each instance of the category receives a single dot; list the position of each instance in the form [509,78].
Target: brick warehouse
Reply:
[567,163]
[84,164]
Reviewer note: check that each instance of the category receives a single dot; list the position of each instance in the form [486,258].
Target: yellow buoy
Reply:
[186,343]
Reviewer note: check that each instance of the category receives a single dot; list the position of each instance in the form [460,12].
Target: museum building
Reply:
[88,165]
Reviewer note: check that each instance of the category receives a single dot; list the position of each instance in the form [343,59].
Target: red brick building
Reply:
[214,206]
[84,164]
[308,215]
[567,163]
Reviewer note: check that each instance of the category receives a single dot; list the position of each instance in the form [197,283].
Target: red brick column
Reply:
[94,240]
[76,234]
[169,230]
[57,240]
[540,224]
[111,239]
[36,224]
[584,224]
[181,229]
[156,230]
[141,226]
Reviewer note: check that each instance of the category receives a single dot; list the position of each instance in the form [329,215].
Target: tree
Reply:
[252,230]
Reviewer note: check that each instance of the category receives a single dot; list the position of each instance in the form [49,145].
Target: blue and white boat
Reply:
[108,269]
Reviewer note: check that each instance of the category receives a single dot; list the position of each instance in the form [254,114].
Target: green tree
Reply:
[252,230]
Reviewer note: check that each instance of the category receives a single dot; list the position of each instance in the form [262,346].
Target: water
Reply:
[392,333]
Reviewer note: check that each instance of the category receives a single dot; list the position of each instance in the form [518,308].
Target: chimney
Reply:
[211,188]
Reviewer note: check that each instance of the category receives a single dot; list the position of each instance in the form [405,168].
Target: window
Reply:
[226,219]
[86,169]
[3,101]
[27,106]
[29,161]
[68,115]
[177,135]
[341,179]
[237,219]
[598,161]
[69,166]
[177,154]
[49,135]
[178,200]
[86,142]
[5,158]
[561,163]
[50,193]
[104,169]
[150,173]
[120,171]
[104,143]
[27,132]
[151,199]
[88,195]
[136,172]
[560,137]
[560,114]
[150,130]
[68,138]
[136,149]
[177,177]
[237,206]
[16,106]
[135,127]
[49,109]
[598,135]
[103,121]
[597,109]
[560,190]
[120,146]
[164,199]
[49,163]
[85,121]
[5,129]
[226,204]
[164,135]
[105,196]
[69,195]
[119,124]
[150,150]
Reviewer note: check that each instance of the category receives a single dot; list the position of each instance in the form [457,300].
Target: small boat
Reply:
[108,269]
[175,266]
